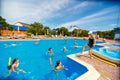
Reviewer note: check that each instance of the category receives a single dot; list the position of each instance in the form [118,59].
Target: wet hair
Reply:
[49,49]
[57,63]
[14,60]
[9,67]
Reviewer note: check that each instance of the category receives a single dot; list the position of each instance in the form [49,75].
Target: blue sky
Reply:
[90,15]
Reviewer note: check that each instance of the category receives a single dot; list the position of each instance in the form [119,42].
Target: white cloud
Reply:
[103,15]
[81,5]
[113,25]
[26,11]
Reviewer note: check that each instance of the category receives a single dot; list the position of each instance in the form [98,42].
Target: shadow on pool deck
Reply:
[108,72]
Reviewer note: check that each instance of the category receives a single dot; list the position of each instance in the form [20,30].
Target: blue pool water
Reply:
[113,54]
[114,45]
[33,59]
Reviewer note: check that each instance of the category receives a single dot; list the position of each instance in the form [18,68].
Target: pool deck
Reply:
[91,74]
[107,71]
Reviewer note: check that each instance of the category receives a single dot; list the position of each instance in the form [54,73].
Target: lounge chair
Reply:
[1,37]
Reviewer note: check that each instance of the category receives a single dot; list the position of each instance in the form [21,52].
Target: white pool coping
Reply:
[91,74]
[34,39]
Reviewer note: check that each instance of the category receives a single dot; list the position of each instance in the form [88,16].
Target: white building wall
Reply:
[117,36]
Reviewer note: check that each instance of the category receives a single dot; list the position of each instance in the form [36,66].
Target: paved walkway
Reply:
[108,72]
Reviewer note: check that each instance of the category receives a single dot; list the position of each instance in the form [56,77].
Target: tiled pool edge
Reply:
[91,74]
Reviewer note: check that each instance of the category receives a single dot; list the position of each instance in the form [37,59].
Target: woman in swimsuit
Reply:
[90,44]
[14,67]
[59,66]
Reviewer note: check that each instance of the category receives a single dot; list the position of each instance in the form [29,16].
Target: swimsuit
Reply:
[91,42]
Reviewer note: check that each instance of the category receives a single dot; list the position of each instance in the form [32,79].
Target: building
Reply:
[19,28]
[117,35]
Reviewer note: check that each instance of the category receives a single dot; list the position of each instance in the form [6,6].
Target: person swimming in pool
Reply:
[50,52]
[64,49]
[75,44]
[59,67]
[37,41]
[14,67]
[14,44]
[90,44]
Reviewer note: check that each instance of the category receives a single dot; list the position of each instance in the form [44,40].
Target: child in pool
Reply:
[14,67]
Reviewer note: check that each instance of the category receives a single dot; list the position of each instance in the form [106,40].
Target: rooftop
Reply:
[24,24]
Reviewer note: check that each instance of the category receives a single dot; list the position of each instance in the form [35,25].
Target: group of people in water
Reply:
[58,63]
[58,66]
[13,67]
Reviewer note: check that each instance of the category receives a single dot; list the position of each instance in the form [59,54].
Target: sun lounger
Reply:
[10,37]
[1,37]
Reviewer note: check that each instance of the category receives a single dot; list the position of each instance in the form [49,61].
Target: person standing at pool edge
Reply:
[90,44]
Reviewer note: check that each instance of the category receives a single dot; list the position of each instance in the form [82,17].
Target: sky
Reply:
[95,15]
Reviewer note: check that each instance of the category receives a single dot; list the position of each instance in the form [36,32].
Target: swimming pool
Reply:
[112,54]
[33,59]
[114,45]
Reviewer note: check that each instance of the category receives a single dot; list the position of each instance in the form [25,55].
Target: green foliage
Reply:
[108,34]
[62,30]
[115,29]
[84,33]
[3,22]
[31,30]
[10,28]
[46,27]
[36,28]
[75,32]
[28,35]
[4,25]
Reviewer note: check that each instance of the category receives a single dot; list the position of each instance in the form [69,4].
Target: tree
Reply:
[115,29]
[10,27]
[74,32]
[3,24]
[63,31]
[84,33]
[36,28]
[46,30]
[109,34]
